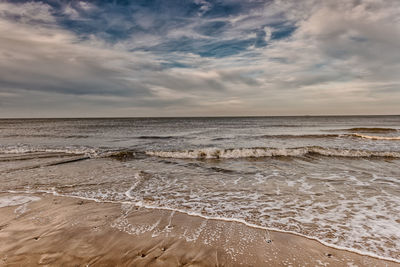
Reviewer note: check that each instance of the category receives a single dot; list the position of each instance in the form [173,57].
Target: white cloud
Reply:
[71,12]
[342,58]
[26,13]
[86,6]
[204,6]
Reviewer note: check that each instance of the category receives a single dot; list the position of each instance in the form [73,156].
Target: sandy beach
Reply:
[200,133]
[43,229]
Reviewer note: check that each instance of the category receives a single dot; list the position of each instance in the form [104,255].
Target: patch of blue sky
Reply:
[282,32]
[203,47]
[117,20]
[213,28]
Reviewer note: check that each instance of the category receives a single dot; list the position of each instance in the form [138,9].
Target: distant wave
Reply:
[371,130]
[156,137]
[283,136]
[45,136]
[73,151]
[312,136]
[68,150]
[321,136]
[376,137]
[215,153]
[222,138]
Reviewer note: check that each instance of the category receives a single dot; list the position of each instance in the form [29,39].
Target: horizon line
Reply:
[189,117]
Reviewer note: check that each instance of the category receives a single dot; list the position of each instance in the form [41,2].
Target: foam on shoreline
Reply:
[141,204]
[16,200]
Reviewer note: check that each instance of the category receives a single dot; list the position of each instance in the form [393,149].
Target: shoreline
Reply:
[55,220]
[224,219]
[356,251]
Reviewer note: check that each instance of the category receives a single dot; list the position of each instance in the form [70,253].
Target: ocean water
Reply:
[334,179]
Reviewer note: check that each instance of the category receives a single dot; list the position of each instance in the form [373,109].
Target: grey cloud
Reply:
[342,58]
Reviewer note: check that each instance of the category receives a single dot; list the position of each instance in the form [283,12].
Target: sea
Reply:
[335,179]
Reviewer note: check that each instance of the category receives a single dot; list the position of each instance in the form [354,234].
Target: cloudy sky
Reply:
[199,57]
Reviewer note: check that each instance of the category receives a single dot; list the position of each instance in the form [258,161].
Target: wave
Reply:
[283,136]
[45,136]
[68,150]
[216,153]
[156,137]
[40,152]
[376,137]
[120,155]
[313,136]
[222,138]
[372,130]
[317,136]
[210,153]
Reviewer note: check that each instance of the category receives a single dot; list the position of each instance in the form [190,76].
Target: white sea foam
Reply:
[221,218]
[21,149]
[215,153]
[210,217]
[16,200]
[373,137]
[139,178]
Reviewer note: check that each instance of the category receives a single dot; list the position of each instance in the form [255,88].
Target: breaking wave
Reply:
[322,136]
[68,150]
[376,137]
[45,136]
[216,153]
[371,130]
[312,136]
[120,155]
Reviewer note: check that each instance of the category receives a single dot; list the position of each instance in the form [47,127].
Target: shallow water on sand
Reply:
[335,179]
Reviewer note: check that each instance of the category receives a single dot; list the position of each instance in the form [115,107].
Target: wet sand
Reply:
[69,231]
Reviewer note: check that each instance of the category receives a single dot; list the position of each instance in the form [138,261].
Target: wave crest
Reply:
[69,150]
[215,153]
[120,155]
[372,137]
[156,137]
[372,130]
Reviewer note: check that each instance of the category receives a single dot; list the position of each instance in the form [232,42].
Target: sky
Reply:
[199,58]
